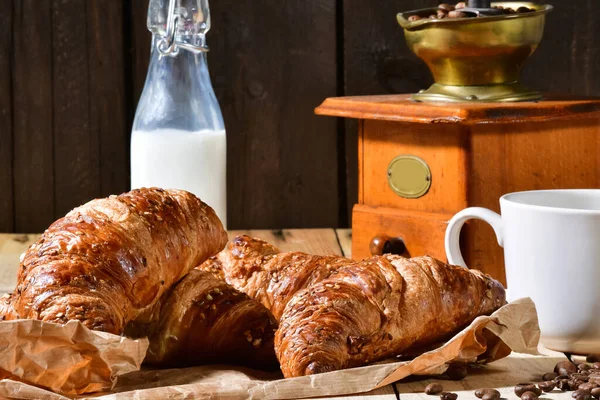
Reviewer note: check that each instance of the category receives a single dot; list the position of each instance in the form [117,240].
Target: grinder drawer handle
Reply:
[384,244]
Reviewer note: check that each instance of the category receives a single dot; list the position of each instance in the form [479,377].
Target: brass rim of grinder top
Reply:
[476,58]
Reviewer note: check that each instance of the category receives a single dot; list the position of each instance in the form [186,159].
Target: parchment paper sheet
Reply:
[514,326]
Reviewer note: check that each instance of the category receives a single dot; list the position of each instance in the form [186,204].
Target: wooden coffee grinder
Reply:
[473,136]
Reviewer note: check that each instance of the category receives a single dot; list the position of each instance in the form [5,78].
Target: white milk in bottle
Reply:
[163,158]
[178,139]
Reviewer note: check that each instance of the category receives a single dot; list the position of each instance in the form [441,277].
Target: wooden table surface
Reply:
[503,374]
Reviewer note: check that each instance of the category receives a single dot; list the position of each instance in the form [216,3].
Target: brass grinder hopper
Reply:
[476,58]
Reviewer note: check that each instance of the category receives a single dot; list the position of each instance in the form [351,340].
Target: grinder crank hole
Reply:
[384,244]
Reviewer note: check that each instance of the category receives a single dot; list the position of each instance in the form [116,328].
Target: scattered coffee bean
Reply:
[457,14]
[434,388]
[581,395]
[441,14]
[457,372]
[565,368]
[588,386]
[575,383]
[448,396]
[524,10]
[563,384]
[460,5]
[487,394]
[414,18]
[521,388]
[584,367]
[549,376]
[595,392]
[491,394]
[592,358]
[446,7]
[547,386]
[594,377]
[529,396]
[580,376]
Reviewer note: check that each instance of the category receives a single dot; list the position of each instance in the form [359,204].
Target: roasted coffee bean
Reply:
[581,395]
[441,14]
[509,10]
[457,14]
[563,384]
[594,381]
[592,358]
[487,394]
[549,376]
[547,386]
[580,376]
[596,392]
[521,388]
[446,7]
[529,396]
[575,383]
[584,367]
[565,368]
[434,388]
[460,5]
[588,386]
[414,18]
[448,396]
[491,394]
[594,377]
[457,372]
[524,10]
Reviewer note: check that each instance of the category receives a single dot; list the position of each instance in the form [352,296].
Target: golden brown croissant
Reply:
[377,308]
[258,269]
[203,320]
[109,261]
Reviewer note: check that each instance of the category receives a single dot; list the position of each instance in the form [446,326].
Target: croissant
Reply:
[260,270]
[378,308]
[203,320]
[109,261]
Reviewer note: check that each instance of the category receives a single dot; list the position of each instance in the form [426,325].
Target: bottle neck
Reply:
[178,93]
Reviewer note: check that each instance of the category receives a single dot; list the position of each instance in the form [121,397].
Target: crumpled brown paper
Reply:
[68,358]
[514,326]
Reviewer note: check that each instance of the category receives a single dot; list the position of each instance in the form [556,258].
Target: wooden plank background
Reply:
[71,73]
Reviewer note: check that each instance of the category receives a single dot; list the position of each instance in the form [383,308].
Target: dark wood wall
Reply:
[71,72]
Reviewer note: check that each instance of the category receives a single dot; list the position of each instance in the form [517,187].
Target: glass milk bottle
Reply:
[178,138]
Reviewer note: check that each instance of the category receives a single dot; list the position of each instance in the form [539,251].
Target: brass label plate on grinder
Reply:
[409,176]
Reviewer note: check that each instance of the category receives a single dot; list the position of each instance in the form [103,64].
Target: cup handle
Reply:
[455,225]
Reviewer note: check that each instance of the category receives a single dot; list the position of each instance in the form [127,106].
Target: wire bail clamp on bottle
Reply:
[168,45]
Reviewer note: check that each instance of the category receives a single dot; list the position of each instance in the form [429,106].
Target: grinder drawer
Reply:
[421,233]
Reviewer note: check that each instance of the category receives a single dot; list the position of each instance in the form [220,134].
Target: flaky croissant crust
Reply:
[107,262]
[203,320]
[378,308]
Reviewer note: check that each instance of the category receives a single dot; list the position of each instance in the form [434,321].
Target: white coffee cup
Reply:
[551,241]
